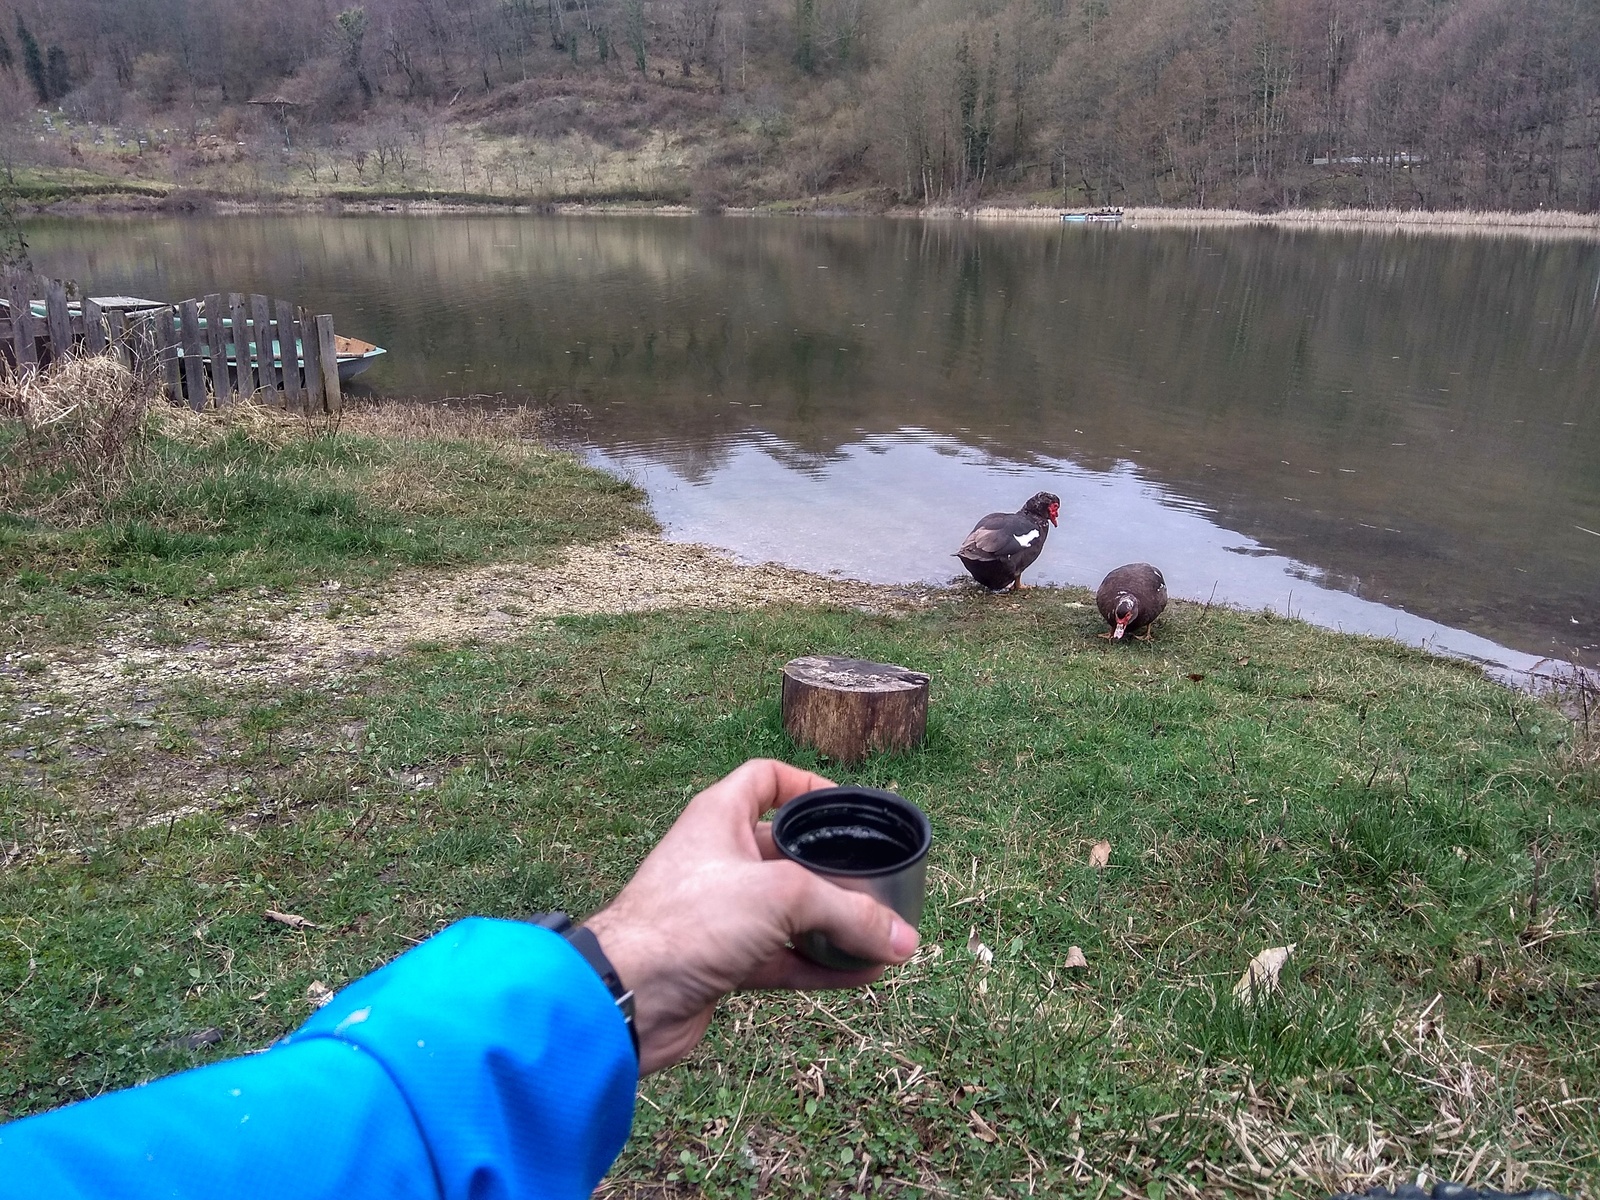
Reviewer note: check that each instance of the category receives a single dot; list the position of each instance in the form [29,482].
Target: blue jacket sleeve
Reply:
[490,1061]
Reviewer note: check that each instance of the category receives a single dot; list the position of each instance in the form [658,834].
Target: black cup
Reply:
[864,839]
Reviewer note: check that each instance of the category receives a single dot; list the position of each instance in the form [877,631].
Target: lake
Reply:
[1390,434]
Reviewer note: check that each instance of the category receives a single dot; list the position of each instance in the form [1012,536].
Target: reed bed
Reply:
[1540,225]
[1494,224]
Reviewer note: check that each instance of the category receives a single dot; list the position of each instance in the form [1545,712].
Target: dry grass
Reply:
[1578,695]
[446,420]
[87,418]
[1563,225]
[393,420]
[260,422]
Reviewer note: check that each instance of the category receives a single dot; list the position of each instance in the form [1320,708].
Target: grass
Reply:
[1427,840]
[191,508]
[46,185]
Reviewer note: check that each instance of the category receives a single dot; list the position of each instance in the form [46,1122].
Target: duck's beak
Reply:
[1053,520]
[1122,626]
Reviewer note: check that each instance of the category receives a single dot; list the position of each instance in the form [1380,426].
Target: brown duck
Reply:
[1130,598]
[1003,545]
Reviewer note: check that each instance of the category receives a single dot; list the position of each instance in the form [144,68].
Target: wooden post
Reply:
[94,327]
[194,362]
[217,346]
[19,297]
[311,353]
[328,357]
[266,374]
[161,332]
[131,337]
[239,335]
[289,357]
[58,319]
[136,337]
[846,708]
[117,331]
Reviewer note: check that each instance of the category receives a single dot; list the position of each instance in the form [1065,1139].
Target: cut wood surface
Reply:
[847,708]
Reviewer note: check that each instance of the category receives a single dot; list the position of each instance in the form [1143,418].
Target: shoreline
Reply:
[1528,674]
[1536,224]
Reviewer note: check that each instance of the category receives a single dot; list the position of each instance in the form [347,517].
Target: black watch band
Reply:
[585,943]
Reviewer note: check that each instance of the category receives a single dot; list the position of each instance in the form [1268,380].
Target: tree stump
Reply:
[846,708]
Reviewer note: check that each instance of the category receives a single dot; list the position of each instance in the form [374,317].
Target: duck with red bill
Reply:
[1003,545]
[1130,598]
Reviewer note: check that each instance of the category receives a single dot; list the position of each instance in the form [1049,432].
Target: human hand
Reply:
[712,908]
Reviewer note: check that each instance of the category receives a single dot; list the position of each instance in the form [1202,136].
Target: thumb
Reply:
[853,921]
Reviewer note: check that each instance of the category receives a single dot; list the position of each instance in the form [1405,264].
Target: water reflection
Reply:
[923,492]
[1389,425]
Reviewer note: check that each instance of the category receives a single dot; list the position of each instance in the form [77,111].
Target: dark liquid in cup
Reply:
[850,848]
[854,831]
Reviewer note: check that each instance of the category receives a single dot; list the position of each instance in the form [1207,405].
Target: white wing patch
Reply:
[1026,541]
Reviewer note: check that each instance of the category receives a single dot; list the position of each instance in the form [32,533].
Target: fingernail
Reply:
[903,939]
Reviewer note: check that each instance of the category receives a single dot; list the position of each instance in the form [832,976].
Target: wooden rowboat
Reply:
[355,356]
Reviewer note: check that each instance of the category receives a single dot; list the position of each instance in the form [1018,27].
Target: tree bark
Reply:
[846,708]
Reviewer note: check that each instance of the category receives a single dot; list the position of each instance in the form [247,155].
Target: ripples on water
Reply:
[1380,433]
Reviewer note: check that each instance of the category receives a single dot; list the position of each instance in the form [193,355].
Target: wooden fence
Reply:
[217,349]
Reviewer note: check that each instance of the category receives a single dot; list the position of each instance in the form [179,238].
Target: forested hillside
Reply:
[1253,103]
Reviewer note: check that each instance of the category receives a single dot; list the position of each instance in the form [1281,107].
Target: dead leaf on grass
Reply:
[318,993]
[981,1129]
[292,920]
[1075,959]
[979,951]
[1099,854]
[1260,978]
[810,1082]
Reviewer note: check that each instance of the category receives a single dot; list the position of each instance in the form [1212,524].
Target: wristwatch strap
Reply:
[585,943]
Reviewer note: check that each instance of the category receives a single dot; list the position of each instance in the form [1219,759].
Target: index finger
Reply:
[757,787]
